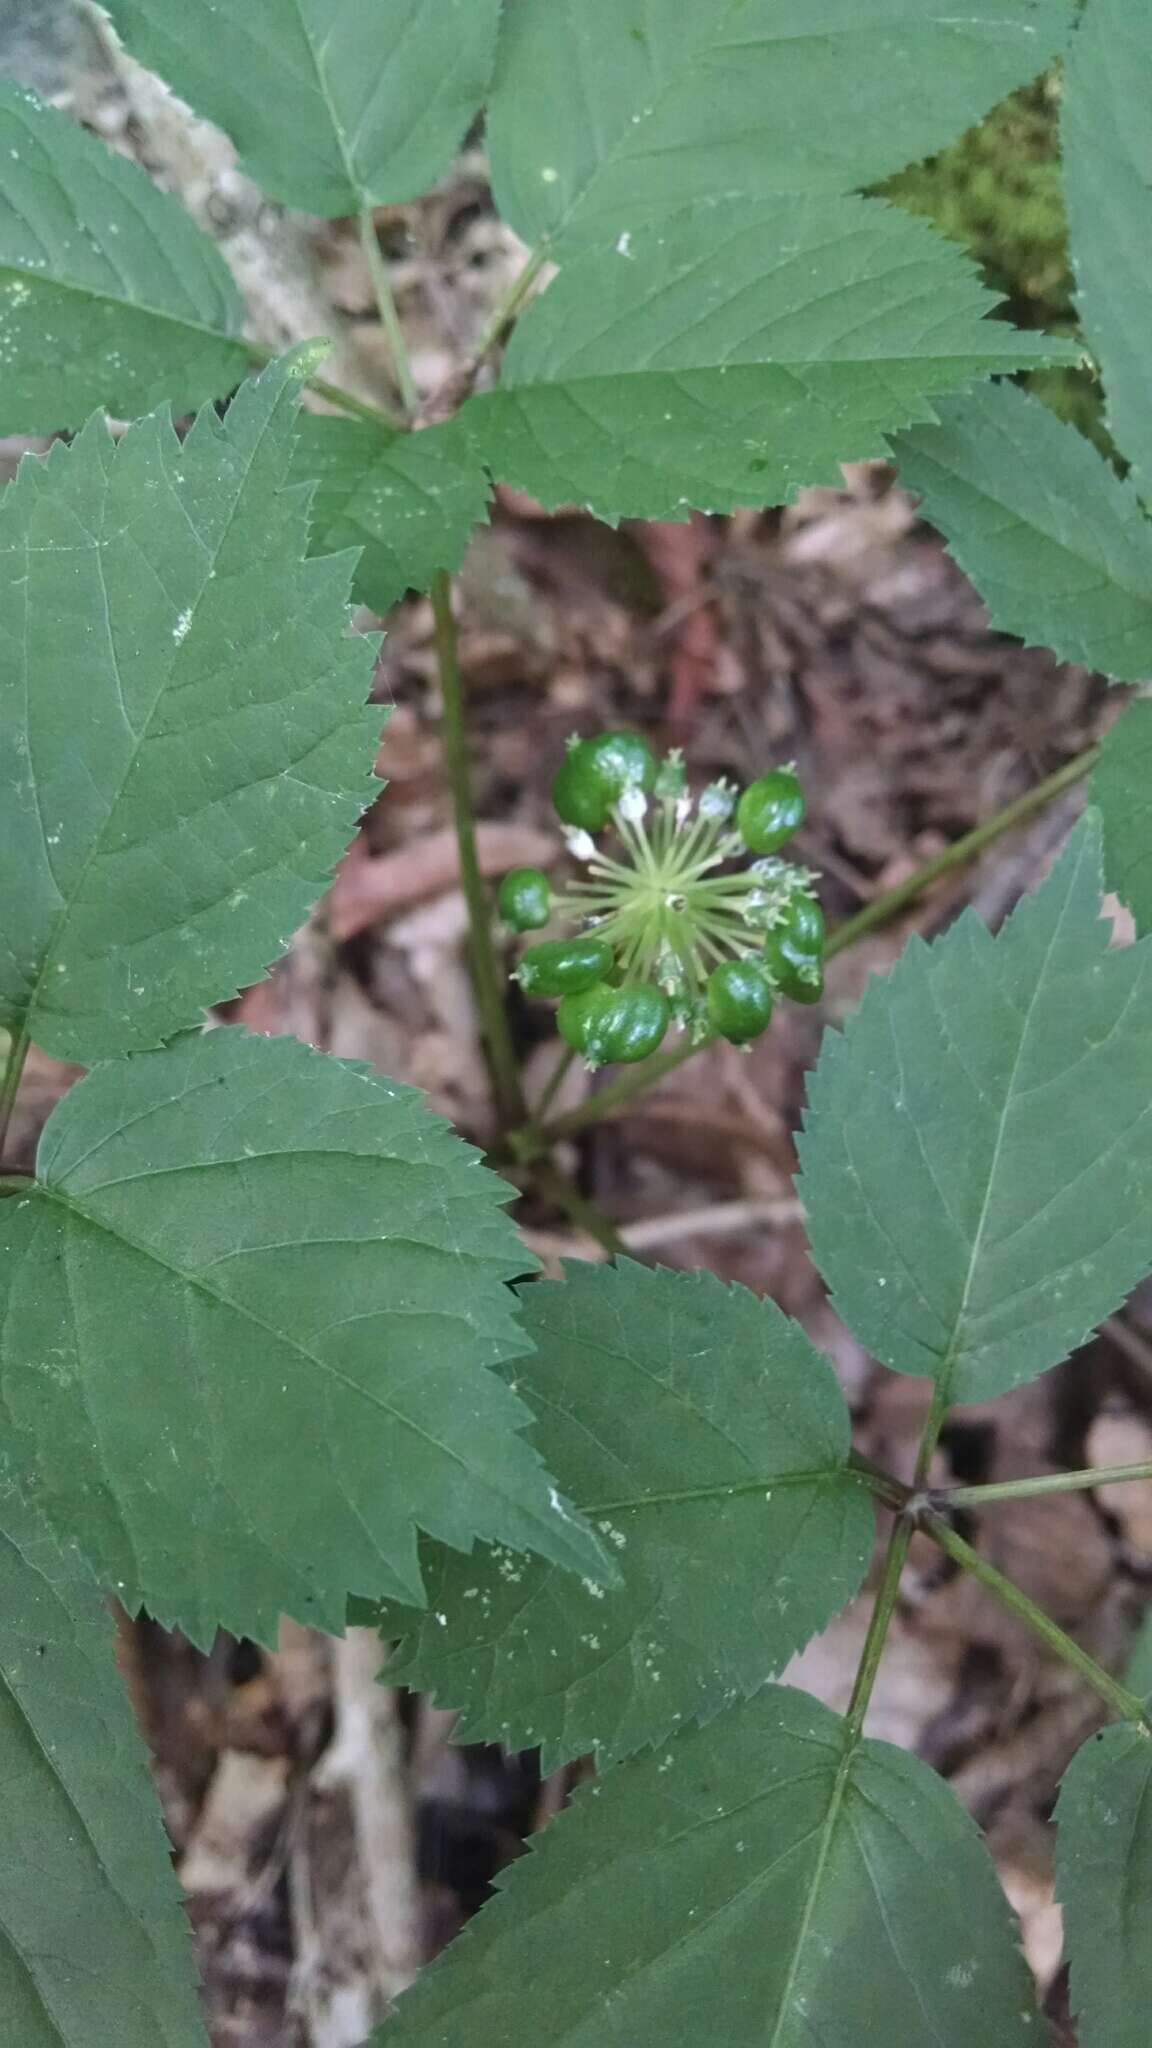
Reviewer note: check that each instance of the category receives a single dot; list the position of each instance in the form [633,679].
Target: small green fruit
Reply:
[524,900]
[794,952]
[560,967]
[625,1024]
[770,811]
[595,775]
[739,1000]
[575,1010]
[804,924]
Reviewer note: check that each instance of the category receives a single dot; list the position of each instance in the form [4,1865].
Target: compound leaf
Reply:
[95,1948]
[248,1305]
[1053,539]
[735,353]
[978,1154]
[707,1441]
[1104,1882]
[184,734]
[333,104]
[753,1885]
[609,114]
[109,294]
[1107,158]
[409,502]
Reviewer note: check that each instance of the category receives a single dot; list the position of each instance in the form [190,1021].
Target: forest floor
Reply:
[328,1834]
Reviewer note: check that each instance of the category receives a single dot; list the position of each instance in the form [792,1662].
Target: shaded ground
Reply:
[328,1834]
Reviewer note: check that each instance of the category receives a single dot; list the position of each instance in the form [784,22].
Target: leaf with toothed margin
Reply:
[185,739]
[759,1883]
[1104,1884]
[250,1305]
[610,114]
[1061,552]
[409,502]
[333,104]
[1122,788]
[109,294]
[1106,156]
[1053,539]
[94,1946]
[707,1441]
[977,1156]
[733,353]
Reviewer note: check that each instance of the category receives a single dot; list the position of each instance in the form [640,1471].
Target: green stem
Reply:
[933,1424]
[511,304]
[376,415]
[960,852]
[556,1187]
[887,1593]
[1031,1489]
[636,1080]
[555,1083]
[18,1046]
[486,977]
[1122,1702]
[389,318]
[892,1492]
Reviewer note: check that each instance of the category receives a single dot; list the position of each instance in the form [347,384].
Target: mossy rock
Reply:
[998,191]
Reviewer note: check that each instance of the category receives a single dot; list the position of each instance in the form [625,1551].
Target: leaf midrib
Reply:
[967,361]
[91,295]
[330,109]
[722,1490]
[211,557]
[634,130]
[824,1852]
[954,1350]
[55,1195]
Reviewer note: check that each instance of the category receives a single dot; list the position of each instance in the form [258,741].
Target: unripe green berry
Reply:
[804,924]
[739,1000]
[770,811]
[596,773]
[524,900]
[626,1024]
[794,951]
[575,1010]
[560,967]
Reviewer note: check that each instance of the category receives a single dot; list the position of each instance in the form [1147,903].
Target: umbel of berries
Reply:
[687,914]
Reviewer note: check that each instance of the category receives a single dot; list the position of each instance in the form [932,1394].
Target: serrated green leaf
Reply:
[1106,142]
[94,1949]
[707,1440]
[734,354]
[184,734]
[410,502]
[333,104]
[1122,787]
[608,114]
[109,294]
[750,1885]
[1053,539]
[248,1306]
[1104,1883]
[978,1152]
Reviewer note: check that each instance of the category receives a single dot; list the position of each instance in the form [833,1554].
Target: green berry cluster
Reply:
[677,924]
